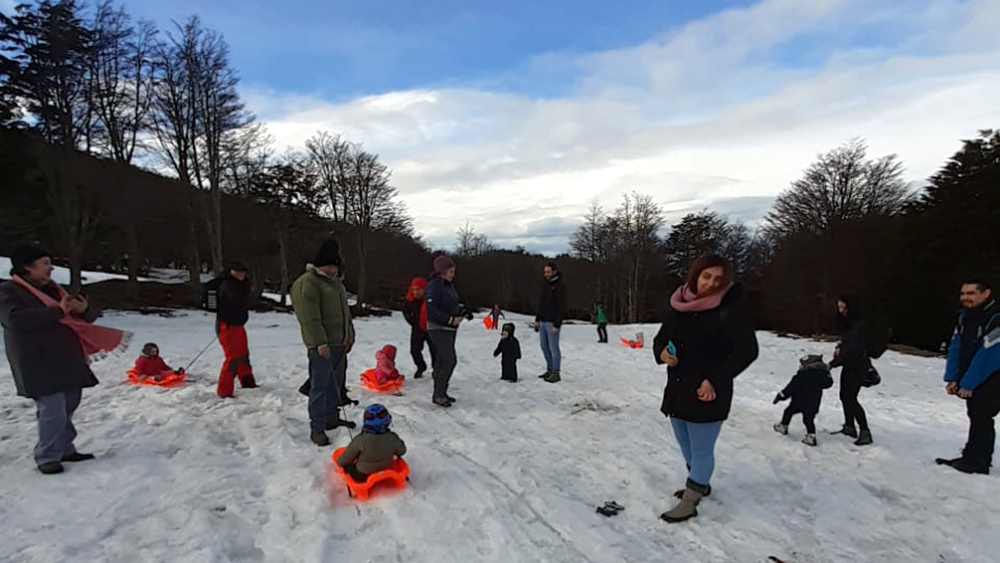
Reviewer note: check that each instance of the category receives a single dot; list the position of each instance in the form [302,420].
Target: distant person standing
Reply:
[444,315]
[415,313]
[601,318]
[320,303]
[232,313]
[495,315]
[552,308]
[973,373]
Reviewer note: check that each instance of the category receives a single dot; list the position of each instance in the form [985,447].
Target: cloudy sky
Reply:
[513,116]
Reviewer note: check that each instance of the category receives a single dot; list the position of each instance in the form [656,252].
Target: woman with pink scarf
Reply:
[50,343]
[706,341]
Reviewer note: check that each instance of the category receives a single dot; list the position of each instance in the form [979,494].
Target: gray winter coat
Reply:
[45,355]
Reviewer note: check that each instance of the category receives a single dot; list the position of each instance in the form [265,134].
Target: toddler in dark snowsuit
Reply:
[806,392]
[511,350]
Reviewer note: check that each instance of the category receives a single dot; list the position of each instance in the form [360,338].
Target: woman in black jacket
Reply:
[852,355]
[706,341]
[444,315]
[46,356]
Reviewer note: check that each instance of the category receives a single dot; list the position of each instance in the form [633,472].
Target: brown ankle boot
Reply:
[687,508]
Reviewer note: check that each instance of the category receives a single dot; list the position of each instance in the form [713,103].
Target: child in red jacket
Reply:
[385,364]
[150,364]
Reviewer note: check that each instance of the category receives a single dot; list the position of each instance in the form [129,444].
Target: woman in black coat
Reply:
[45,355]
[852,355]
[706,341]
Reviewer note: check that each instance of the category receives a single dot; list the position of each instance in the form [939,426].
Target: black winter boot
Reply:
[77,456]
[865,439]
[319,438]
[51,468]
[847,431]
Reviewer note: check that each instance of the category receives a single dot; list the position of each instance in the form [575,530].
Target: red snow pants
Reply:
[234,343]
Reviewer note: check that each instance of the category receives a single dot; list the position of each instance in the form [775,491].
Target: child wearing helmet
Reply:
[150,364]
[374,449]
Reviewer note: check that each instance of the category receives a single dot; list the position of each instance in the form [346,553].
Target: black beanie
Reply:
[328,255]
[24,255]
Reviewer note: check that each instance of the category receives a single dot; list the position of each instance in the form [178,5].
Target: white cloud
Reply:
[703,116]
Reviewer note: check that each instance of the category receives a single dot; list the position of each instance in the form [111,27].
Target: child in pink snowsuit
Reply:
[385,364]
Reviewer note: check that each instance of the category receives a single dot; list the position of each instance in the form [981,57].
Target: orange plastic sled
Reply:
[394,476]
[488,321]
[390,386]
[169,378]
[633,343]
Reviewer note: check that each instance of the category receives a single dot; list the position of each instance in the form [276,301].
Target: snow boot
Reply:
[809,440]
[847,430]
[442,402]
[346,401]
[865,439]
[50,468]
[77,456]
[948,462]
[687,508]
[781,429]
[248,382]
[450,398]
[680,494]
[418,375]
[553,377]
[970,467]
[547,373]
[319,438]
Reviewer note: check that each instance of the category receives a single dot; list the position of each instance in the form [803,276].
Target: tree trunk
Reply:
[362,269]
[283,257]
[218,258]
[75,255]
[194,253]
[132,287]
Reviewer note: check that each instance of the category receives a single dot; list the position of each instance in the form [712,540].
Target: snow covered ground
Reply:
[512,473]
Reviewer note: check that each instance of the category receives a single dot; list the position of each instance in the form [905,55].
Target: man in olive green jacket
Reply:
[320,303]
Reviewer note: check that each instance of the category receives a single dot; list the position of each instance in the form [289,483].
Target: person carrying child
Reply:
[374,449]
[150,364]
[510,348]
[806,392]
[385,364]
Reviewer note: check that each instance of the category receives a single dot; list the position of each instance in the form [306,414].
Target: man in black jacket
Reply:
[552,309]
[232,313]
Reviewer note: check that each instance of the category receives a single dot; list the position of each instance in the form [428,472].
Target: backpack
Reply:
[210,294]
[878,334]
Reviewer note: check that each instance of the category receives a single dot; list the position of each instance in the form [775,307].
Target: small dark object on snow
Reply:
[610,508]
[774,559]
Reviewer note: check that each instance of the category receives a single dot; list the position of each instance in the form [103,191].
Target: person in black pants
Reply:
[973,374]
[444,315]
[510,350]
[415,313]
[806,392]
[852,355]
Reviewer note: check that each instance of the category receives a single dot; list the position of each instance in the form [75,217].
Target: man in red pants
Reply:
[231,314]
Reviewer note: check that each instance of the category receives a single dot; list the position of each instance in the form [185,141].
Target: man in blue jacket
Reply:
[973,374]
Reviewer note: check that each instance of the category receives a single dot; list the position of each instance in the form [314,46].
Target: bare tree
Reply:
[469,244]
[328,157]
[841,186]
[121,95]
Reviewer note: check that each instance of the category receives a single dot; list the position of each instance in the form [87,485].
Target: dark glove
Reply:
[779,397]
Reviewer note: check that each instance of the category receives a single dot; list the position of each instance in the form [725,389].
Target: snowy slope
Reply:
[512,473]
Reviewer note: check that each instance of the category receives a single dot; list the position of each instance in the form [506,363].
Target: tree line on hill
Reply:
[92,101]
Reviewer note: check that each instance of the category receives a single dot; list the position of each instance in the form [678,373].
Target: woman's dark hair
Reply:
[704,263]
[553,266]
[855,312]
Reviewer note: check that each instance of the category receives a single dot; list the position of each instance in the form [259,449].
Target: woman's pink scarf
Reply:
[686,301]
[97,341]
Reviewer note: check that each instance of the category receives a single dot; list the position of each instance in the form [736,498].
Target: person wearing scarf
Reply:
[50,342]
[706,341]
